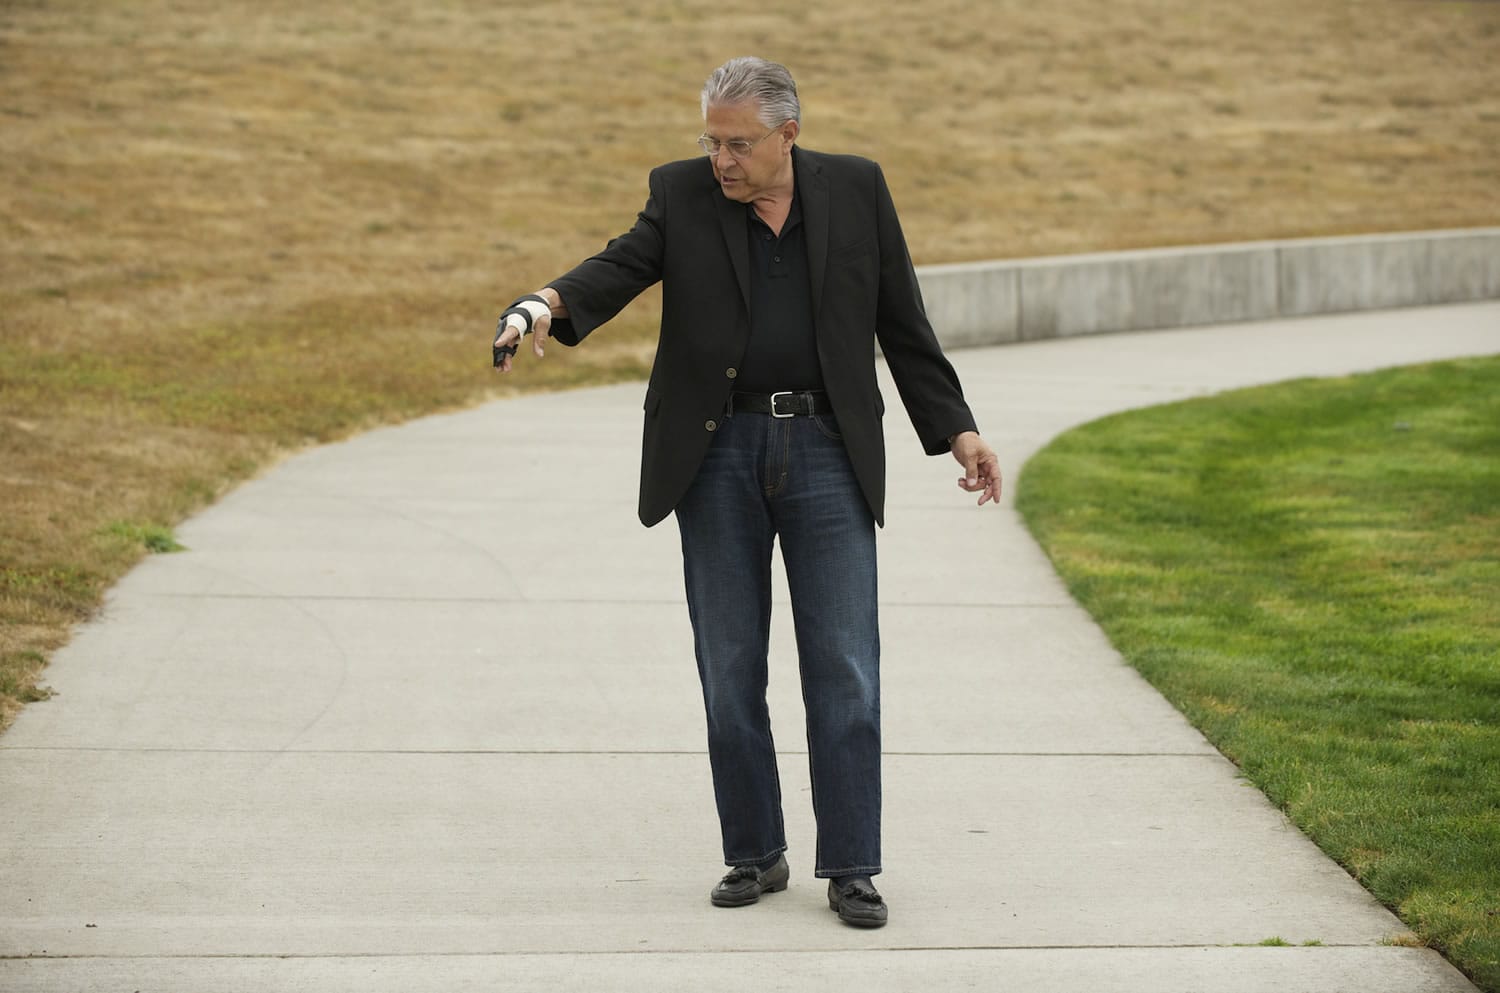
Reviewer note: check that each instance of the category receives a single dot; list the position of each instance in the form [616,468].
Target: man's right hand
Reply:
[542,325]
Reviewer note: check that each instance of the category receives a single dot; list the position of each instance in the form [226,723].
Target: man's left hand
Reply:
[981,467]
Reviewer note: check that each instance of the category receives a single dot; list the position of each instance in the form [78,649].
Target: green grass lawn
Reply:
[1311,572]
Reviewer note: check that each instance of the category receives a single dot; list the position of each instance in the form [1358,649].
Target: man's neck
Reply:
[773,205]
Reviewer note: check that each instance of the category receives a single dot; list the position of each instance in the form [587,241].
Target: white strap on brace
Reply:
[532,307]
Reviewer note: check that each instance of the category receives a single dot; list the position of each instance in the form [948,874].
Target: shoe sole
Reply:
[720,902]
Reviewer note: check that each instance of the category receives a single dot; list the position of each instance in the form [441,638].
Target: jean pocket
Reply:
[828,425]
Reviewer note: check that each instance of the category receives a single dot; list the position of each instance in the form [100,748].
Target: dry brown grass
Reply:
[232,229]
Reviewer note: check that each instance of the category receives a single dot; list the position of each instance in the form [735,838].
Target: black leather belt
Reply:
[785,404]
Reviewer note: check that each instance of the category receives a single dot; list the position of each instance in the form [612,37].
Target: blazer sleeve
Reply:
[924,377]
[599,287]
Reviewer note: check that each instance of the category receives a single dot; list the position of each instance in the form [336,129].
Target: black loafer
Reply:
[745,883]
[857,903]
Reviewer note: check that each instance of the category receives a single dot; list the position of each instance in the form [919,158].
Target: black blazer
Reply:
[693,239]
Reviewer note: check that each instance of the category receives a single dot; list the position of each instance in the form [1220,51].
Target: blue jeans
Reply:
[766,477]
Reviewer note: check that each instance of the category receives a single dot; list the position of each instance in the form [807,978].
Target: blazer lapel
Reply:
[736,239]
[812,185]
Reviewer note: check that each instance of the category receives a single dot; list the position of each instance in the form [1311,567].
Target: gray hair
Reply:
[768,84]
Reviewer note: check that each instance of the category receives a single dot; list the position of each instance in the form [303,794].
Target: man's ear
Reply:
[790,130]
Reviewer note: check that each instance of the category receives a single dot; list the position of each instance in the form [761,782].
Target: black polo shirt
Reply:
[783,349]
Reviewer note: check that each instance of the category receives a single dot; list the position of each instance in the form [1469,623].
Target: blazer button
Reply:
[731,372]
[711,425]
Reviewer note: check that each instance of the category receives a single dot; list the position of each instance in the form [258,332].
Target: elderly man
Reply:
[780,269]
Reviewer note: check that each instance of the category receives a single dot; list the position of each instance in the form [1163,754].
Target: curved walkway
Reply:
[419,712]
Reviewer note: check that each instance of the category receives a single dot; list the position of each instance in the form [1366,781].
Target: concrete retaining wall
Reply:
[986,303]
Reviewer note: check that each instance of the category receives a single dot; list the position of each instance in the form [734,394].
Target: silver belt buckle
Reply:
[783,393]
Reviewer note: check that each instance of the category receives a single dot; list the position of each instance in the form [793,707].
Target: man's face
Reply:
[767,167]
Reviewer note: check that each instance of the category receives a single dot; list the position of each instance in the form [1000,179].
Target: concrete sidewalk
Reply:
[419,712]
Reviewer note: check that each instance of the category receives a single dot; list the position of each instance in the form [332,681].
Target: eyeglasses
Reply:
[739,148]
